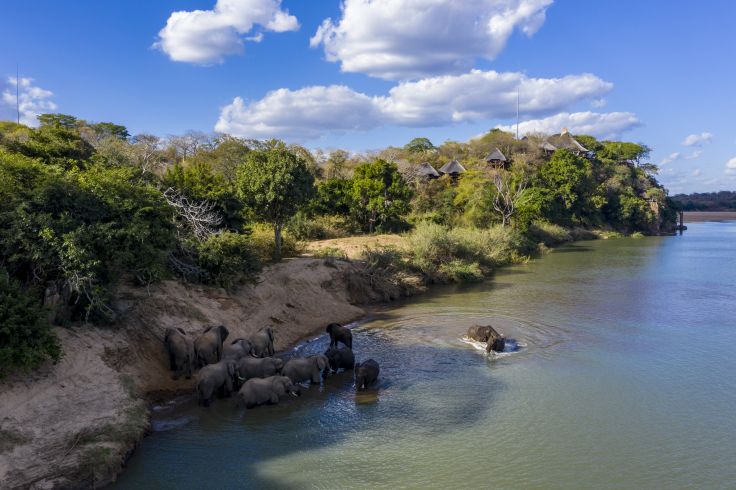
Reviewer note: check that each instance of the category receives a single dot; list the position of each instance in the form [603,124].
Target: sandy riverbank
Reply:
[697,216]
[72,424]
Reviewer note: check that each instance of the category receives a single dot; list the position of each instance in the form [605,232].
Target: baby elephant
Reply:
[340,358]
[238,349]
[259,391]
[366,374]
[218,378]
[251,367]
[338,333]
[486,333]
[305,368]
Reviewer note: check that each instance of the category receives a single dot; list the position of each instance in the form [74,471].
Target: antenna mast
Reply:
[17,93]
[517,112]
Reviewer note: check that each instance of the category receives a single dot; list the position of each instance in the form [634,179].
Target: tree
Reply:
[337,164]
[419,145]
[567,179]
[509,191]
[147,147]
[380,194]
[274,183]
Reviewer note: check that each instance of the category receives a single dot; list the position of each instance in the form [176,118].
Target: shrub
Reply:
[331,254]
[262,241]
[490,247]
[547,233]
[228,259]
[26,338]
[461,272]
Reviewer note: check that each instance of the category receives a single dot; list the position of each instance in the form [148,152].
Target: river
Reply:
[624,377]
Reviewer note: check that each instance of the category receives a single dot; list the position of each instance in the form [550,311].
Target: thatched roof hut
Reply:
[427,171]
[497,159]
[566,141]
[452,168]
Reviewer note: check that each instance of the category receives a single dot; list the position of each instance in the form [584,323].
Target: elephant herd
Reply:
[248,366]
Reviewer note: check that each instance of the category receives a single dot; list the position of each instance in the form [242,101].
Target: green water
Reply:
[625,377]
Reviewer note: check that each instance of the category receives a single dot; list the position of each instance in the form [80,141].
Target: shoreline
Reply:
[704,216]
[127,363]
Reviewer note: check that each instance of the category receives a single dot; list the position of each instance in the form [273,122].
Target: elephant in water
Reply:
[338,333]
[238,349]
[366,373]
[306,368]
[180,348]
[215,379]
[251,367]
[208,346]
[341,358]
[259,391]
[486,333]
[262,343]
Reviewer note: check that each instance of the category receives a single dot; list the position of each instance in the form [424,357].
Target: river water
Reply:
[624,376]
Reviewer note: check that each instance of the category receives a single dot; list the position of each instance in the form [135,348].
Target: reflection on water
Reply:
[622,377]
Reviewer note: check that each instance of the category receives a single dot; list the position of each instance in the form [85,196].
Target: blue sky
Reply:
[382,72]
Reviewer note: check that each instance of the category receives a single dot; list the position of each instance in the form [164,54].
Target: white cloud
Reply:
[598,103]
[697,139]
[696,172]
[694,155]
[479,95]
[670,158]
[601,125]
[731,166]
[32,100]
[409,39]
[208,36]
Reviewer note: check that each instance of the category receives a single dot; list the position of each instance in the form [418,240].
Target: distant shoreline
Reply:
[699,216]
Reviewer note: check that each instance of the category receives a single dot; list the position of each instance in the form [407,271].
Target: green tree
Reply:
[566,180]
[26,339]
[380,194]
[419,145]
[274,183]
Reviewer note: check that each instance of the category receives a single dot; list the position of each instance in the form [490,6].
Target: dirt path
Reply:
[72,424]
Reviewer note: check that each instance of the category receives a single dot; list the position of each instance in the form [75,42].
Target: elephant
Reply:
[251,367]
[262,343]
[237,349]
[258,391]
[338,333]
[486,333]
[180,348]
[340,358]
[218,378]
[208,346]
[366,373]
[306,368]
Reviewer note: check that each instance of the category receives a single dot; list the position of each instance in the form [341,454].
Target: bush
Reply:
[548,234]
[228,259]
[26,338]
[462,272]
[490,247]
[318,228]
[262,241]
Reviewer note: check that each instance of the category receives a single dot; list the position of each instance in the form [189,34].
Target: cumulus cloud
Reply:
[207,36]
[32,100]
[598,103]
[694,155]
[670,158]
[697,139]
[731,166]
[601,125]
[310,112]
[432,37]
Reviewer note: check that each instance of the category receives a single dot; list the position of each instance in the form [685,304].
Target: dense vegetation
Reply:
[84,206]
[707,201]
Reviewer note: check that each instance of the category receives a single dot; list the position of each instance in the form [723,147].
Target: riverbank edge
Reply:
[123,367]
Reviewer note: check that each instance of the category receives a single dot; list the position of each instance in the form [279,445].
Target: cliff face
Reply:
[72,424]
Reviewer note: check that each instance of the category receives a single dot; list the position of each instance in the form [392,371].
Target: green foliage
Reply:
[262,241]
[197,180]
[228,259]
[419,145]
[566,181]
[547,233]
[274,183]
[26,339]
[333,196]
[380,196]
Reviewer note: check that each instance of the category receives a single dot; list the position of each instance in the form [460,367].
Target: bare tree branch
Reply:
[507,195]
[200,217]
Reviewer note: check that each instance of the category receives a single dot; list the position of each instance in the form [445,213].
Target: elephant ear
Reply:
[223,332]
[278,364]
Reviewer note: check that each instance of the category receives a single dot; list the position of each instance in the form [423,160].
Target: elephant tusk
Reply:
[240,378]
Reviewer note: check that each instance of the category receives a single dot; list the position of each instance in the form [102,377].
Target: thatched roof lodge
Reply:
[497,159]
[566,141]
[452,168]
[427,171]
